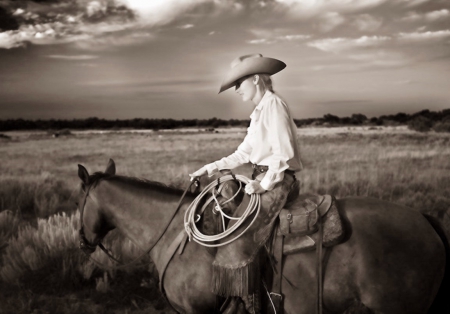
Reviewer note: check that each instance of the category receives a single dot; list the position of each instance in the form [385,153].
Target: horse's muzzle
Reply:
[85,246]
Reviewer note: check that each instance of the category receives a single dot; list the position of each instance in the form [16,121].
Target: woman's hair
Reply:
[267,81]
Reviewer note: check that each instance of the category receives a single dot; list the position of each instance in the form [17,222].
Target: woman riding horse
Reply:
[272,147]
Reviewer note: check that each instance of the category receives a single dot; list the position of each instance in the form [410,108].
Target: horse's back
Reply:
[392,261]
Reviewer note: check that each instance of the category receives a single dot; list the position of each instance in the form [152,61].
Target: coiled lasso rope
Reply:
[205,240]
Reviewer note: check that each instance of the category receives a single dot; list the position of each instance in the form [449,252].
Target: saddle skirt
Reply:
[299,223]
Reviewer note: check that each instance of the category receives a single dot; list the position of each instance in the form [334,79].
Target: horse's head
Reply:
[93,223]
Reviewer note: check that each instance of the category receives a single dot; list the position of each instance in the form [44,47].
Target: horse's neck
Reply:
[142,214]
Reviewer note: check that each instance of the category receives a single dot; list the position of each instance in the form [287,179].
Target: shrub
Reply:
[16,195]
[9,224]
[443,126]
[51,197]
[52,245]
[65,132]
[36,198]
[48,256]
[420,124]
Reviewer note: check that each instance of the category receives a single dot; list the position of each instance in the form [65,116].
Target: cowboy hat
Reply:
[248,65]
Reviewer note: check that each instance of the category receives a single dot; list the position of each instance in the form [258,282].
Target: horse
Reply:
[391,261]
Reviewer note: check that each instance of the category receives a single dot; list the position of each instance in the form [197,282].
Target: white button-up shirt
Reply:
[271,141]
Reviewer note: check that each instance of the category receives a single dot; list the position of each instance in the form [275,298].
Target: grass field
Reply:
[41,269]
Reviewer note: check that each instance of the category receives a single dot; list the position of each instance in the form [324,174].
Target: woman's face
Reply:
[246,88]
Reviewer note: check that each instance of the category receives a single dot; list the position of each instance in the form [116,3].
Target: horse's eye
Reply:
[76,203]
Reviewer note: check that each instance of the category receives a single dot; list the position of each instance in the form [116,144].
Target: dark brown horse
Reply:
[392,261]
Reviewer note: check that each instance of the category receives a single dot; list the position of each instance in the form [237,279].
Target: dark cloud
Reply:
[48,1]
[110,12]
[7,21]
[48,22]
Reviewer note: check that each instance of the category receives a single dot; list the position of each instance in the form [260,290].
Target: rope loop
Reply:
[207,240]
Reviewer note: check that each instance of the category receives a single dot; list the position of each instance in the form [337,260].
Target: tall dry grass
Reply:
[42,269]
[52,249]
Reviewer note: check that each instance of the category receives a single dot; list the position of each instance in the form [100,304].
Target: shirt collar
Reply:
[263,100]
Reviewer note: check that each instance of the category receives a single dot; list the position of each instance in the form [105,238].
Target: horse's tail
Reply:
[441,303]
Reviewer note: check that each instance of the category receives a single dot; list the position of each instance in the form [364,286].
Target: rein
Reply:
[86,247]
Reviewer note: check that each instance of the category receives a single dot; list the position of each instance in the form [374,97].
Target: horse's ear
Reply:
[111,167]
[83,174]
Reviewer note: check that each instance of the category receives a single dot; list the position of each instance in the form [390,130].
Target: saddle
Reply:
[308,222]
[298,223]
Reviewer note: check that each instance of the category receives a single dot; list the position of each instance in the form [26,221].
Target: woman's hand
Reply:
[253,187]
[199,173]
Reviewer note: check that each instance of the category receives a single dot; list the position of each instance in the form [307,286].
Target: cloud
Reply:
[19,11]
[73,57]
[67,21]
[430,17]
[412,17]
[277,39]
[437,15]
[366,52]
[413,3]
[160,12]
[111,22]
[294,37]
[96,7]
[380,58]
[340,44]
[309,8]
[275,36]
[367,22]
[397,50]
[56,22]
[261,41]
[330,21]
[424,36]
[99,43]
[186,26]
[10,40]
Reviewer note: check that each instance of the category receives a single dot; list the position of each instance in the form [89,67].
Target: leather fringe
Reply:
[237,281]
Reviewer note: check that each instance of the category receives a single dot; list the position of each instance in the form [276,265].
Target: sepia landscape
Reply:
[163,87]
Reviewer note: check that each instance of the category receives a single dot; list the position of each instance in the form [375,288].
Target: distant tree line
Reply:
[423,121]
[103,124]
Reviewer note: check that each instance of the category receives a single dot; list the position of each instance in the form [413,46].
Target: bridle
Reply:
[85,245]
[88,248]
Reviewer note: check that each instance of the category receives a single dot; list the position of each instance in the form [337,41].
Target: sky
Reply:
[124,59]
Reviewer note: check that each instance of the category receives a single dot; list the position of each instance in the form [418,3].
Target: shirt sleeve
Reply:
[277,119]
[239,157]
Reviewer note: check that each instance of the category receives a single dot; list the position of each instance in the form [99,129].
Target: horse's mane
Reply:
[95,178]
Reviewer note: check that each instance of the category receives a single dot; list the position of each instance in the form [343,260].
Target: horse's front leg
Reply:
[187,281]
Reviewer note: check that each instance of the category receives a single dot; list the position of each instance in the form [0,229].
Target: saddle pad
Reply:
[333,233]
